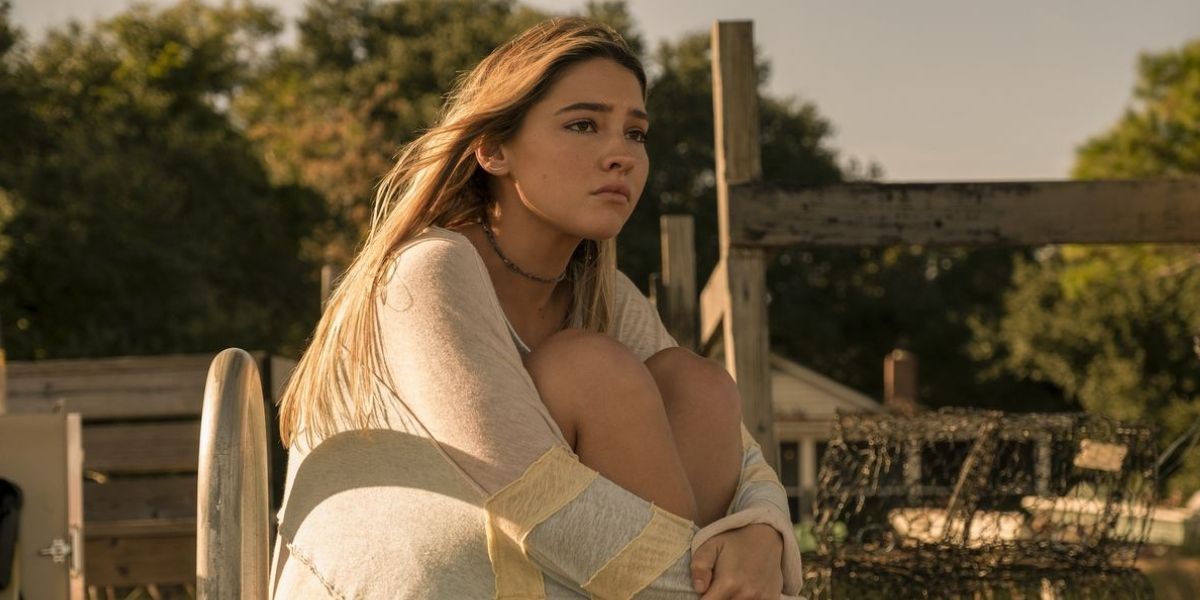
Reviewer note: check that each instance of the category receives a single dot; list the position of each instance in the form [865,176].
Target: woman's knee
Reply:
[581,354]
[692,382]
[574,364]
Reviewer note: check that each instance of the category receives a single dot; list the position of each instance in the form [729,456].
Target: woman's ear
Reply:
[491,159]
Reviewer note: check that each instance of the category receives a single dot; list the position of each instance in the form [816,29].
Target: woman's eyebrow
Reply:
[601,107]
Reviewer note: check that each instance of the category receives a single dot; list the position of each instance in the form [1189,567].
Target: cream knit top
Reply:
[469,489]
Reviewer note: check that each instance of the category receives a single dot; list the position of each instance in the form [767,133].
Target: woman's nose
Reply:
[618,162]
[617,153]
[618,159]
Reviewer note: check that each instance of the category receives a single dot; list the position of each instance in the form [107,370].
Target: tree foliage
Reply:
[142,219]
[363,79]
[1112,326]
[1159,133]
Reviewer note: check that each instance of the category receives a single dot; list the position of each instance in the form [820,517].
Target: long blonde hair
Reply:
[437,181]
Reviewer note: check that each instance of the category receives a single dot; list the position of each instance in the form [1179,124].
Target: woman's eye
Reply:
[586,125]
[636,135]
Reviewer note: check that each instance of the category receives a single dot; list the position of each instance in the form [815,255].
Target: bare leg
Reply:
[610,410]
[705,410]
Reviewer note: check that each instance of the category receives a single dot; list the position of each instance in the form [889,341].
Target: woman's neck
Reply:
[534,307]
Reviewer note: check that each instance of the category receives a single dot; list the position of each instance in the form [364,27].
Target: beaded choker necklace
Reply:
[510,264]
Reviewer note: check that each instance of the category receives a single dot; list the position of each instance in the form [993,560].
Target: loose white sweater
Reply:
[469,489]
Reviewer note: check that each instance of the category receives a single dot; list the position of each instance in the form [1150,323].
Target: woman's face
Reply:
[578,160]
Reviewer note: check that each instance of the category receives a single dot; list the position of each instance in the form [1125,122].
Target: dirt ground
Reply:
[1173,577]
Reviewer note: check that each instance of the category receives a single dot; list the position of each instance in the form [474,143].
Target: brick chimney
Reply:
[900,383]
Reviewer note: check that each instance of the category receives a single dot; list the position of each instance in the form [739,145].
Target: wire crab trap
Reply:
[971,504]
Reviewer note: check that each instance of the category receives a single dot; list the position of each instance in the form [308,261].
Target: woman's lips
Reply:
[614,191]
[613,196]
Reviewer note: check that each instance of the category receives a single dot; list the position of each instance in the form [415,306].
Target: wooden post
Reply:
[3,377]
[809,471]
[679,277]
[330,273]
[232,503]
[900,383]
[735,107]
[654,294]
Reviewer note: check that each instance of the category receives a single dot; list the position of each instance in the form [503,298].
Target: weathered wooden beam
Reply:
[125,560]
[232,508]
[110,388]
[735,114]
[3,378]
[143,499]
[679,277]
[141,447]
[735,108]
[747,348]
[984,213]
[712,306]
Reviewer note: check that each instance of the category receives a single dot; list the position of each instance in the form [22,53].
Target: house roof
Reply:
[800,393]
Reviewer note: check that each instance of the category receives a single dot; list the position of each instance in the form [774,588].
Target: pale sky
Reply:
[933,90]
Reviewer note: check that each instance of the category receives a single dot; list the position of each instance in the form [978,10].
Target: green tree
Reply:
[145,222]
[364,78]
[839,311]
[16,120]
[1112,326]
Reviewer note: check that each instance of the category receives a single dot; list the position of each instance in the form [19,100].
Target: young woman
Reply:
[489,408]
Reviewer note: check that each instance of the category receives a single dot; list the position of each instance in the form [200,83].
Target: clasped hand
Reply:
[741,564]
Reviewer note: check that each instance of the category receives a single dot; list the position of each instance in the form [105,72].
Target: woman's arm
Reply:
[456,374]
[760,497]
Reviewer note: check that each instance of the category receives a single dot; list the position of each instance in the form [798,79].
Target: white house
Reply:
[806,407]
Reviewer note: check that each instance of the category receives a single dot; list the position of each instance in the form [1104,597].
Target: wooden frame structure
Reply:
[754,216]
[142,428]
[233,516]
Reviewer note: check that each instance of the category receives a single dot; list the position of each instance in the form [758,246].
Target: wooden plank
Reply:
[142,528]
[748,358]
[735,103]
[35,454]
[47,383]
[142,447]
[280,372]
[162,559]
[136,383]
[120,499]
[113,366]
[3,379]
[109,405]
[745,326]
[233,504]
[712,307]
[123,388]
[983,213]
[111,388]
[679,277]
[75,501]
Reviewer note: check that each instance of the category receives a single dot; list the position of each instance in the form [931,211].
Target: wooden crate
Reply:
[141,429]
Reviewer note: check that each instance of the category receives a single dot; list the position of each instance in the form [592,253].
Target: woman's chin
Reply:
[603,232]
